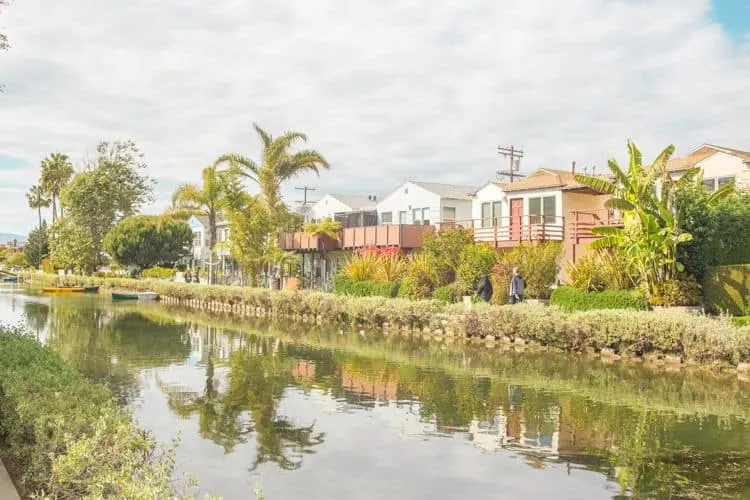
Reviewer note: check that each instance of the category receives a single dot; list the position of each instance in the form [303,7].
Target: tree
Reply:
[141,241]
[646,195]
[443,250]
[56,173]
[277,165]
[38,199]
[37,246]
[208,199]
[16,259]
[107,191]
[72,246]
[249,241]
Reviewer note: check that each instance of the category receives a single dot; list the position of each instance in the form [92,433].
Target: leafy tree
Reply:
[56,174]
[141,241]
[443,250]
[37,246]
[111,189]
[277,165]
[38,199]
[16,259]
[249,239]
[72,246]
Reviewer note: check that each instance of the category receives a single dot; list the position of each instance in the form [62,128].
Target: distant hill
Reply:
[6,238]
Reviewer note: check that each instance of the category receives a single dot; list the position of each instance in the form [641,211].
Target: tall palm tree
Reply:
[37,199]
[56,173]
[208,199]
[277,165]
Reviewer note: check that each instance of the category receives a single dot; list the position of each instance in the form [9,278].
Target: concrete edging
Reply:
[7,488]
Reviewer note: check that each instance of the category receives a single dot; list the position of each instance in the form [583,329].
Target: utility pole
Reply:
[304,201]
[514,156]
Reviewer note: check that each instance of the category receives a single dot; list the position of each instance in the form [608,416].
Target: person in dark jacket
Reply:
[517,284]
[484,288]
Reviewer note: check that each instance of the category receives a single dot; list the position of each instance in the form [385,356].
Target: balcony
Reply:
[508,232]
[303,242]
[391,235]
[581,223]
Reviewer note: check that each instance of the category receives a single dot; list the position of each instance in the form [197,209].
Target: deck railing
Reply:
[513,230]
[581,223]
[391,235]
[307,242]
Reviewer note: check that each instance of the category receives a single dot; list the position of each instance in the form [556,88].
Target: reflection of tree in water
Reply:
[37,314]
[255,384]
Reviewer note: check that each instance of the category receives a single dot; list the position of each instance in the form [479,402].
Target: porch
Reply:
[509,232]
[407,236]
[579,231]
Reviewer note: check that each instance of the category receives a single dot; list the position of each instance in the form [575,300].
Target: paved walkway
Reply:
[7,490]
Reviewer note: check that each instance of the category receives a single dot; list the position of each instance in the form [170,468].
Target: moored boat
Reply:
[134,296]
[91,289]
[63,289]
[10,279]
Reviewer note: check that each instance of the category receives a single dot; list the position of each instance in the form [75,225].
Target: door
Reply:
[516,218]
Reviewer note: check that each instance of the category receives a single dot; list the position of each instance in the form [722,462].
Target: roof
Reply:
[203,219]
[356,202]
[546,178]
[452,191]
[704,151]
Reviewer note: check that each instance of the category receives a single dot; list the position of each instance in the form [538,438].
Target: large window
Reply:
[449,214]
[402,217]
[724,180]
[426,216]
[386,218]
[491,213]
[546,206]
[416,216]
[715,183]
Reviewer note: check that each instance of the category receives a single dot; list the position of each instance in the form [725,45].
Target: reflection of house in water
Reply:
[208,340]
[304,370]
[512,432]
[379,388]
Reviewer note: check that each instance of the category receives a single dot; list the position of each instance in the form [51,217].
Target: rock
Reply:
[519,341]
[505,340]
[438,332]
[743,367]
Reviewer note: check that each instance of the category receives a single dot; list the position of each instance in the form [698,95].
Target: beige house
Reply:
[720,165]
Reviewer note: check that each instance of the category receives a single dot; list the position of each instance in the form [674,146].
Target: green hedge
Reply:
[66,435]
[570,299]
[741,321]
[345,286]
[727,289]
[449,294]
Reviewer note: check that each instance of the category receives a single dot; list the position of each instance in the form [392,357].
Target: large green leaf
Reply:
[596,183]
[608,231]
[619,204]
[606,242]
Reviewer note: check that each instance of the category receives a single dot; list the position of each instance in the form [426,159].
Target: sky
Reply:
[388,91]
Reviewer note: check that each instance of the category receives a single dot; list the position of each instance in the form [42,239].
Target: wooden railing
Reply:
[389,235]
[581,223]
[511,231]
[308,243]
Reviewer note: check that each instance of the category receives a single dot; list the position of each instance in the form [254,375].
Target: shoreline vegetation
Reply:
[673,339]
[65,436]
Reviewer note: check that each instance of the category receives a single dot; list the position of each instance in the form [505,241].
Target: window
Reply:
[497,211]
[491,213]
[725,180]
[486,215]
[710,184]
[539,207]
[386,218]
[416,216]
[426,216]
[197,239]
[449,214]
[402,217]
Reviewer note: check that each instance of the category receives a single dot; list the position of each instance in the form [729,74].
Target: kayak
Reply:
[11,279]
[63,289]
[134,296]
[91,289]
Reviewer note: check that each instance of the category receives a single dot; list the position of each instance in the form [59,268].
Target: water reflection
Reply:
[652,435]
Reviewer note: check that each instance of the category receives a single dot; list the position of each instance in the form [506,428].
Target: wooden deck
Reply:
[509,232]
[407,236]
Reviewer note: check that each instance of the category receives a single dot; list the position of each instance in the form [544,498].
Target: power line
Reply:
[514,156]
[305,201]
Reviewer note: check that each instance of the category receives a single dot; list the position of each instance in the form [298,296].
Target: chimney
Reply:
[573,167]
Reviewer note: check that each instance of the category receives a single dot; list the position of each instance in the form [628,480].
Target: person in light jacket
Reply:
[517,284]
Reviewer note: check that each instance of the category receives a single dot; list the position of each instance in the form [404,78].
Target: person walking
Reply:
[517,285]
[484,288]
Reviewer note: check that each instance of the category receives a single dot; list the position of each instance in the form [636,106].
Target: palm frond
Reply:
[265,137]
[620,175]
[619,204]
[636,158]
[607,231]
[606,242]
[596,183]
[244,165]
[188,196]
[661,161]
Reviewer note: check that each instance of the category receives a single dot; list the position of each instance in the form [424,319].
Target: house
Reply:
[720,165]
[350,210]
[426,203]
[201,239]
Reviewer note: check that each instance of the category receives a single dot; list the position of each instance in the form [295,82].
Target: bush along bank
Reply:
[632,333]
[66,437]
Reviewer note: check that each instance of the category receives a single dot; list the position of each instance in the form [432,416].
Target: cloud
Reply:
[386,90]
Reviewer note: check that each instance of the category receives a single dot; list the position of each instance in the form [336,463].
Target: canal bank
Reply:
[673,338]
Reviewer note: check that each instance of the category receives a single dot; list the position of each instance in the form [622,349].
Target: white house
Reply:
[426,203]
[201,239]
[331,205]
[720,165]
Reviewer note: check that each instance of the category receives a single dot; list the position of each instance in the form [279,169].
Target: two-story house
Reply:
[201,252]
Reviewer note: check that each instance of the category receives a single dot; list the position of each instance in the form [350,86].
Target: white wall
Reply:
[327,206]
[416,197]
[488,194]
[493,192]
[463,209]
[722,165]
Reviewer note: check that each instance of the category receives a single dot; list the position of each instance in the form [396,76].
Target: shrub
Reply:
[390,268]
[600,270]
[17,259]
[476,260]
[570,299]
[67,435]
[345,286]
[361,267]
[538,262]
[680,292]
[159,273]
[449,294]
[727,289]
[414,289]
[443,249]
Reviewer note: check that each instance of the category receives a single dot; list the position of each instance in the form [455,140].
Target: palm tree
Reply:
[37,199]
[56,173]
[277,165]
[208,199]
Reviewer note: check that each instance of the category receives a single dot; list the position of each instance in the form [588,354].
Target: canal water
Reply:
[329,414]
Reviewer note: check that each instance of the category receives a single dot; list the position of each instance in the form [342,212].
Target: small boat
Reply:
[63,289]
[10,279]
[91,289]
[134,296]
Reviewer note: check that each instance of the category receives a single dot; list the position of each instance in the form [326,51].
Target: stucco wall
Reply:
[326,207]
[407,198]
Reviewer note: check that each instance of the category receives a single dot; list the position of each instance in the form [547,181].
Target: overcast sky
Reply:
[387,90]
